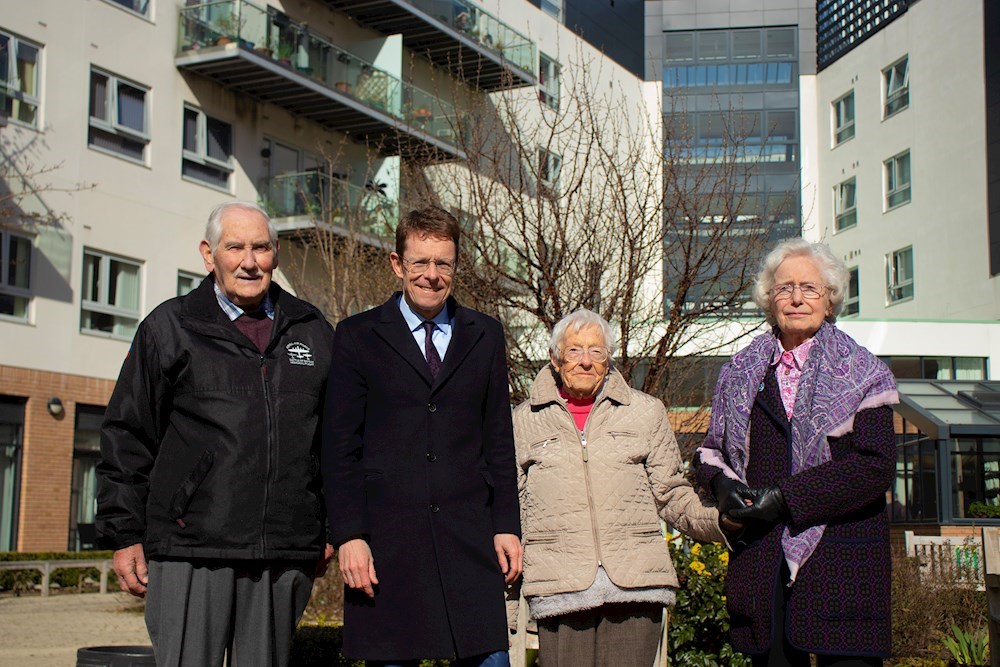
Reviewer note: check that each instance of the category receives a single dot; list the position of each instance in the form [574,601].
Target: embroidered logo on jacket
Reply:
[299,354]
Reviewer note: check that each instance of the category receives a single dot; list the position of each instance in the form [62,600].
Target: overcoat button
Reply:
[431,407]
[435,508]
[432,457]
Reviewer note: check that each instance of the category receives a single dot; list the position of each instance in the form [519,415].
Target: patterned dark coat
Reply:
[840,601]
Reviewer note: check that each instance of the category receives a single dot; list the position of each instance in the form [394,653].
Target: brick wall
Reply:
[47,455]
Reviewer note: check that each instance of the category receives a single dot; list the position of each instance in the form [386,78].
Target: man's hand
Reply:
[323,561]
[130,566]
[509,555]
[357,566]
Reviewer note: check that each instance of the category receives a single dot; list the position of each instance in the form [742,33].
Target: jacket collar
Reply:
[545,390]
[392,328]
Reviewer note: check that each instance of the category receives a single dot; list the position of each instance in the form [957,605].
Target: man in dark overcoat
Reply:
[418,465]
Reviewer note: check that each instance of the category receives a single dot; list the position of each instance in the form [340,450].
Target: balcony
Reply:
[456,35]
[300,201]
[263,54]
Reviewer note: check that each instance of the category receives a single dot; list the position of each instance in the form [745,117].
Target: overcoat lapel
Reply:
[393,330]
[769,399]
[464,336]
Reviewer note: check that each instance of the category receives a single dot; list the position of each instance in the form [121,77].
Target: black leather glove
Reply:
[729,493]
[768,505]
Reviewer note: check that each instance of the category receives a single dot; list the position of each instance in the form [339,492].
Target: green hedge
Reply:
[23,580]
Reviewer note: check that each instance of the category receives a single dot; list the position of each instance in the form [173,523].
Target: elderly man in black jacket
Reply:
[418,462]
[210,492]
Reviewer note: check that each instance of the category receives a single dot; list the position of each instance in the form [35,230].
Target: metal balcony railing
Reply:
[322,199]
[265,54]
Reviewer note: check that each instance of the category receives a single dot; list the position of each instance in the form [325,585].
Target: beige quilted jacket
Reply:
[599,502]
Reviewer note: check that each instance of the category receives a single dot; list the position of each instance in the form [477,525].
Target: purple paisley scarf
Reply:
[840,379]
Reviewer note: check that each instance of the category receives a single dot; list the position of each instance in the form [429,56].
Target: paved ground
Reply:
[46,632]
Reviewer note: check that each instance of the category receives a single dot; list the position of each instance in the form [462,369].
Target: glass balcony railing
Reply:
[271,34]
[329,200]
[489,31]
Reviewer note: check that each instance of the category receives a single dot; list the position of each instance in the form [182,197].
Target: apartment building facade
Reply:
[127,121]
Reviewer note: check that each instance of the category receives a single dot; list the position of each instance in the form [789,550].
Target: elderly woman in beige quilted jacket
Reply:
[598,467]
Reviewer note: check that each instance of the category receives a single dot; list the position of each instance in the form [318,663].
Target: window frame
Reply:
[852,301]
[558,5]
[892,282]
[548,81]
[845,217]
[846,130]
[6,237]
[147,14]
[115,127]
[104,307]
[890,176]
[188,275]
[11,86]
[890,97]
[548,162]
[200,156]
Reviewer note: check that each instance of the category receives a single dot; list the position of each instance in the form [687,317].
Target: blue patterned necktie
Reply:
[430,352]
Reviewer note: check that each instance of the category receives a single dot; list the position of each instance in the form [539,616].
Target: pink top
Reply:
[578,407]
[789,371]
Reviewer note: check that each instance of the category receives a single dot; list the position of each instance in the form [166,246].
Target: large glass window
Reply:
[11,435]
[207,149]
[845,210]
[843,119]
[119,118]
[15,275]
[111,294]
[548,81]
[19,65]
[83,492]
[896,86]
[936,368]
[730,59]
[897,180]
[975,473]
[899,275]
[914,491]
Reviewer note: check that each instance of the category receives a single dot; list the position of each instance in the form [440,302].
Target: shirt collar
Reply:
[798,354]
[233,311]
[415,321]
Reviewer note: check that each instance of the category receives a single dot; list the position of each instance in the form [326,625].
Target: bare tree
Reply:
[597,203]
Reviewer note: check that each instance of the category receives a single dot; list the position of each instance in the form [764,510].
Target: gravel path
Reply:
[46,632]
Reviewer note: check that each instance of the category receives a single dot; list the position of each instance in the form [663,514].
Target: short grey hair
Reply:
[581,319]
[835,274]
[213,230]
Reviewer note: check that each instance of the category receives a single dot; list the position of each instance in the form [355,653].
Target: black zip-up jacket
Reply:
[210,448]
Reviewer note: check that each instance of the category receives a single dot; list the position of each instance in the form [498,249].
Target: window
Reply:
[899,275]
[975,473]
[111,287]
[852,302]
[553,8]
[83,491]
[187,282]
[118,116]
[936,368]
[548,169]
[19,61]
[15,275]
[896,87]
[207,149]
[548,81]
[140,7]
[844,205]
[915,490]
[843,119]
[11,434]
[897,180]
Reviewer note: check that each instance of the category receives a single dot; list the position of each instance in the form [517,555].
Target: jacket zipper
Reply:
[267,470]
[586,477]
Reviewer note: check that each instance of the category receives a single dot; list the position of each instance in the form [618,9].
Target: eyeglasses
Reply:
[808,290]
[598,354]
[419,266]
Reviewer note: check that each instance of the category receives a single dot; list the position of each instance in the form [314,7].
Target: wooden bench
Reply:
[948,558]
[47,566]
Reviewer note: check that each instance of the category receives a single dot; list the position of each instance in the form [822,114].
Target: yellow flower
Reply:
[696,549]
[697,566]
[724,557]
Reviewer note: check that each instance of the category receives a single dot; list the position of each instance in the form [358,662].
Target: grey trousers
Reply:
[197,611]
[624,635]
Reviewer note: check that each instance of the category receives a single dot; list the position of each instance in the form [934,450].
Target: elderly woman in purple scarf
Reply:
[800,452]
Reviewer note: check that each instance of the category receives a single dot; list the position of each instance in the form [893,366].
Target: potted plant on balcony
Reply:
[229,28]
[284,53]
